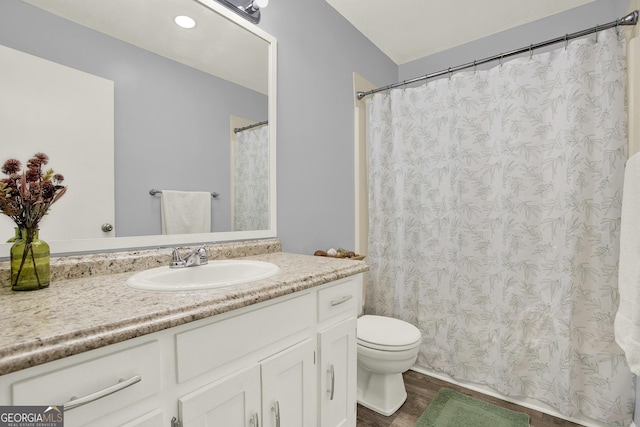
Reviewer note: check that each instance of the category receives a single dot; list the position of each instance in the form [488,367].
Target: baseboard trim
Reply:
[531,404]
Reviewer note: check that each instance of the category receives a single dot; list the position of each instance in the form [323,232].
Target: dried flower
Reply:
[43,158]
[33,174]
[26,197]
[11,166]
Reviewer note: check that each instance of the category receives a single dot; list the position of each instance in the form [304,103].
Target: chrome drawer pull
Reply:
[122,384]
[332,374]
[276,409]
[254,420]
[341,300]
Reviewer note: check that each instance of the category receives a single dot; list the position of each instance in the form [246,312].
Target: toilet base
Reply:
[382,393]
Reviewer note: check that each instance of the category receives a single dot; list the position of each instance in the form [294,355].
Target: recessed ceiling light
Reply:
[185,21]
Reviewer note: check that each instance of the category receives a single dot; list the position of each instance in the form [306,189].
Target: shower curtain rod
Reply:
[630,19]
[255,125]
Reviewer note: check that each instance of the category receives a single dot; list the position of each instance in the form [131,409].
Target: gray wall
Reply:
[171,121]
[318,51]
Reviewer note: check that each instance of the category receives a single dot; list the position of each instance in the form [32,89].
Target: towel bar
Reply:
[153,192]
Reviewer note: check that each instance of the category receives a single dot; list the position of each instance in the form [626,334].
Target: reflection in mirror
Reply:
[68,115]
[251,177]
[174,91]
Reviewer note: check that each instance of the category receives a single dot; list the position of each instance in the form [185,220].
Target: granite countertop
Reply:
[80,314]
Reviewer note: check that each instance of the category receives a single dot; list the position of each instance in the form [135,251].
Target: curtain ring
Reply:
[617,27]
[500,61]
[449,70]
[596,34]
[531,51]
[566,41]
[474,66]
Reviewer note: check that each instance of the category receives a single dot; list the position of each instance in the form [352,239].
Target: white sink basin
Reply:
[215,274]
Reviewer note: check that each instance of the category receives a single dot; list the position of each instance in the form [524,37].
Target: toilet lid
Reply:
[386,331]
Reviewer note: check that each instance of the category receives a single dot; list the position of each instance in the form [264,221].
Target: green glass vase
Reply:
[30,262]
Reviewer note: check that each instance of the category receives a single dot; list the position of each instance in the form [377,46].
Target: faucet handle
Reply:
[202,253]
[176,259]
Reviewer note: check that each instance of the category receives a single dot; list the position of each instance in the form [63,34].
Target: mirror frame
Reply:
[111,244]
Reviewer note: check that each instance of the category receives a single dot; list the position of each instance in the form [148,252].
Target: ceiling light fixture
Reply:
[248,9]
[185,21]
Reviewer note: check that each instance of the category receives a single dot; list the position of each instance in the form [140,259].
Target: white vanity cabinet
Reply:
[233,401]
[279,392]
[338,306]
[262,363]
[338,375]
[285,362]
[289,387]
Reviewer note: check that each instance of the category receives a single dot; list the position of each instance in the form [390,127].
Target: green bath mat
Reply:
[452,409]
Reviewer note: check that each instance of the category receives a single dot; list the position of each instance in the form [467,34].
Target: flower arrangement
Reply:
[26,197]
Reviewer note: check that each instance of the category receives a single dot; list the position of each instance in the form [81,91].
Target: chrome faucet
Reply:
[192,259]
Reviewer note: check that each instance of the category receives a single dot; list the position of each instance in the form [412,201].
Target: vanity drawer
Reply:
[211,346]
[342,297]
[109,373]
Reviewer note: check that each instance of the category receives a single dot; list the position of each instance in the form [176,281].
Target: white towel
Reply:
[627,321]
[185,212]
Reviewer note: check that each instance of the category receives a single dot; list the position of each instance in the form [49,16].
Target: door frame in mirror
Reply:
[109,244]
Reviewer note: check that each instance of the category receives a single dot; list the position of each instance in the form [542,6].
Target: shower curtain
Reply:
[251,180]
[494,200]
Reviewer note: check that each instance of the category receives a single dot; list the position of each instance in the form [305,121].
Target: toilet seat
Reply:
[387,334]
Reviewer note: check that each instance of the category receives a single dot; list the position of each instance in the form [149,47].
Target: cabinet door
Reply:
[289,387]
[233,401]
[338,367]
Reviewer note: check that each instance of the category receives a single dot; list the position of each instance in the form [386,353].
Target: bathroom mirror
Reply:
[171,131]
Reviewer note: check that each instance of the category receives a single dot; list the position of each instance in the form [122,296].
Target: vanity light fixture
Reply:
[248,9]
[185,21]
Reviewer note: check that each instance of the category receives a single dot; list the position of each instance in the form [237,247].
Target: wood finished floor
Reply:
[421,389]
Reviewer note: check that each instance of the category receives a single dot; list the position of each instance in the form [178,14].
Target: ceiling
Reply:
[406,30]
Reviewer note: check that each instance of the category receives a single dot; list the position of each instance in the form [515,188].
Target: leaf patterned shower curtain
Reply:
[251,180]
[494,200]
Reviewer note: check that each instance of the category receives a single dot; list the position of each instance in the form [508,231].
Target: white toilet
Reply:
[387,347]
